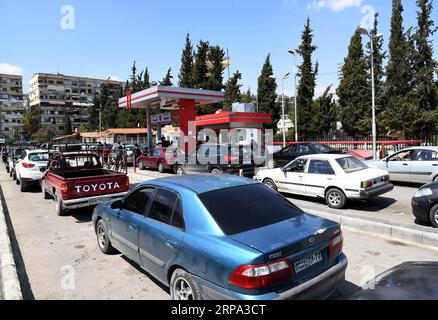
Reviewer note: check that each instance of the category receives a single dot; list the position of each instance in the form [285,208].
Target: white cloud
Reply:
[114,78]
[335,5]
[7,68]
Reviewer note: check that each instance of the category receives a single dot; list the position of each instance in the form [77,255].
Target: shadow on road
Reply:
[345,292]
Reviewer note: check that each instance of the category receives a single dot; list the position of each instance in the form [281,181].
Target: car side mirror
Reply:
[117,204]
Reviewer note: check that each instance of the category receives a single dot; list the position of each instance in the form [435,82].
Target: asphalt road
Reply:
[58,257]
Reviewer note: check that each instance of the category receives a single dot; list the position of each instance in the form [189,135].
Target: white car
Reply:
[30,168]
[336,178]
[416,164]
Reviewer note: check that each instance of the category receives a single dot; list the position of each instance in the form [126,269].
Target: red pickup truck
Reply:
[77,179]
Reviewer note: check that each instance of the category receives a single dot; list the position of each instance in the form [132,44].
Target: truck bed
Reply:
[71,175]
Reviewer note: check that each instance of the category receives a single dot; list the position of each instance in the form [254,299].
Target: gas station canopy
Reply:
[168,98]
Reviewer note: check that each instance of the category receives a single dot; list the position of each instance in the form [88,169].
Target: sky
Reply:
[102,38]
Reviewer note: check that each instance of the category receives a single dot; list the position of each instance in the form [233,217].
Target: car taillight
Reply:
[262,275]
[126,184]
[336,244]
[64,190]
[229,159]
[28,165]
[367,184]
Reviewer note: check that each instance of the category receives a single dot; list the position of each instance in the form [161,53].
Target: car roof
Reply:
[37,151]
[422,148]
[325,156]
[203,183]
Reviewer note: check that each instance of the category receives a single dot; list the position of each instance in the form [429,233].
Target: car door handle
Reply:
[405,164]
[435,165]
[132,227]
[171,244]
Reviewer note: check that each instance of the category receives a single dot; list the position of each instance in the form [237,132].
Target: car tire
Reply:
[160,167]
[46,195]
[60,211]
[103,241]
[216,171]
[179,170]
[17,181]
[141,165]
[272,164]
[182,286]
[335,199]
[433,216]
[23,186]
[270,184]
[10,173]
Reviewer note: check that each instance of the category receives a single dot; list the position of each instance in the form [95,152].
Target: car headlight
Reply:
[423,193]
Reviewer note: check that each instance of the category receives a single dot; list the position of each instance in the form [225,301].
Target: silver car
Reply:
[416,164]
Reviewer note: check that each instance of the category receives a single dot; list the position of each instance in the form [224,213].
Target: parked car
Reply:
[76,180]
[408,281]
[425,204]
[216,159]
[417,164]
[291,152]
[222,237]
[157,159]
[335,178]
[13,156]
[30,167]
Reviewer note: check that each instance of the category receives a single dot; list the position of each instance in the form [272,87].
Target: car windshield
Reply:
[249,207]
[350,164]
[39,157]
[323,148]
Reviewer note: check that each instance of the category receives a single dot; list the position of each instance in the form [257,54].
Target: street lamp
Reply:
[285,77]
[365,32]
[294,52]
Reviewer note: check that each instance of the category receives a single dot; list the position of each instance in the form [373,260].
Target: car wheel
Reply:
[335,199]
[271,164]
[23,186]
[433,216]
[17,181]
[270,184]
[46,195]
[60,211]
[180,170]
[160,167]
[141,165]
[10,173]
[216,171]
[102,238]
[182,286]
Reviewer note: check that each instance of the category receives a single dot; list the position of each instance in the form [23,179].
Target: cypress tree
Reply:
[232,91]
[167,80]
[306,88]
[398,74]
[247,96]
[68,130]
[216,56]
[200,69]
[267,95]
[325,113]
[353,91]
[185,77]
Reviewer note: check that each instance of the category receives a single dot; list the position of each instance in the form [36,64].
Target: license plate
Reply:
[307,262]
[99,200]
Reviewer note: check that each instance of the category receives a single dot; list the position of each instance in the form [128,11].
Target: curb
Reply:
[398,232]
[9,277]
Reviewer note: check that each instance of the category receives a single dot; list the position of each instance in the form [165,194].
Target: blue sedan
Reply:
[223,237]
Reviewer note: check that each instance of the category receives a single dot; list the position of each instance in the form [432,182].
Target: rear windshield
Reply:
[245,208]
[323,148]
[88,162]
[39,157]
[351,164]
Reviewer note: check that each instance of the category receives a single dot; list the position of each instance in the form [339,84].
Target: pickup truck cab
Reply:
[335,178]
[76,180]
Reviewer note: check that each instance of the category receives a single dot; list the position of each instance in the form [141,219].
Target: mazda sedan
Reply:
[223,237]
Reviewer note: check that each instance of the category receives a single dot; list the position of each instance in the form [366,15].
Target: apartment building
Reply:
[11,106]
[58,95]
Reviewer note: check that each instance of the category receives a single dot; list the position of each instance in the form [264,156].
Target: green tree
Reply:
[266,93]
[325,113]
[200,69]
[353,90]
[32,122]
[232,90]
[185,77]
[399,76]
[45,134]
[306,88]
[216,56]
[68,130]
[167,80]
[247,96]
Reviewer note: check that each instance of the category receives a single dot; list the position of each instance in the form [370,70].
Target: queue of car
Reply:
[213,236]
